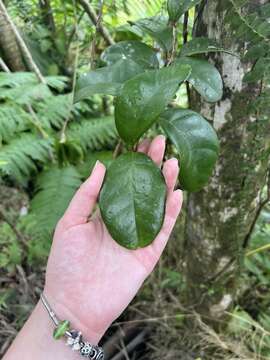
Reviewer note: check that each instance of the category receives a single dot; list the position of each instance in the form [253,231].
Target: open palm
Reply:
[90,279]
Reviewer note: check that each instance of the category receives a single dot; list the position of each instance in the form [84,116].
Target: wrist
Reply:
[36,340]
[62,311]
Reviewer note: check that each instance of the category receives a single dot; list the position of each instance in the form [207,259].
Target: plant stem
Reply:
[63,131]
[175,44]
[117,149]
[94,18]
[262,204]
[185,39]
[94,40]
[4,66]
[255,251]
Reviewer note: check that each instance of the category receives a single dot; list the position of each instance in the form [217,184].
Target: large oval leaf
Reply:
[205,78]
[107,80]
[144,98]
[136,51]
[132,200]
[197,144]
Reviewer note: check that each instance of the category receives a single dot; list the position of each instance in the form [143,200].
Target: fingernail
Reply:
[175,161]
[96,165]
[162,137]
[179,194]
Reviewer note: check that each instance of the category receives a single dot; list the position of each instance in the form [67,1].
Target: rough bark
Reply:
[220,217]
[9,47]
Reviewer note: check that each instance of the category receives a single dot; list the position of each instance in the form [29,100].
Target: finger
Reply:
[84,200]
[144,146]
[170,172]
[173,207]
[157,149]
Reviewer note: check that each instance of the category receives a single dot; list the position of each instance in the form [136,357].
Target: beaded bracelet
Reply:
[73,337]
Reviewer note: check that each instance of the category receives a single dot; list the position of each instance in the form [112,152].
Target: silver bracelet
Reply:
[73,337]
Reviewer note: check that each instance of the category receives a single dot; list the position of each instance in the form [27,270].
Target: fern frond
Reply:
[26,93]
[57,82]
[55,188]
[24,87]
[21,78]
[16,79]
[17,159]
[54,110]
[94,134]
[13,119]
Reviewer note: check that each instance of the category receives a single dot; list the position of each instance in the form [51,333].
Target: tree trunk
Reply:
[221,216]
[47,14]
[9,47]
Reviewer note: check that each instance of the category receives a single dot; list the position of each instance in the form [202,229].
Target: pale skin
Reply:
[90,279]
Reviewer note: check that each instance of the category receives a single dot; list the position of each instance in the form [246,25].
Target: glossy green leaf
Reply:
[205,78]
[201,45]
[144,98]
[136,51]
[177,8]
[197,145]
[132,200]
[107,80]
[157,27]
[59,332]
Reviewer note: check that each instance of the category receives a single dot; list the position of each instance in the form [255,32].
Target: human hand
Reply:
[90,279]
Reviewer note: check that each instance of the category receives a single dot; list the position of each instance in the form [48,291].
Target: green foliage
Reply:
[106,157]
[54,190]
[11,252]
[251,24]
[136,51]
[132,200]
[258,262]
[205,78]
[157,27]
[24,88]
[94,134]
[54,110]
[196,143]
[106,80]
[144,97]
[250,322]
[53,134]
[176,8]
[12,119]
[29,129]
[143,93]
[19,157]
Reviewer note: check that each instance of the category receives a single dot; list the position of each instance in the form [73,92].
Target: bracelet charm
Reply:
[73,337]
